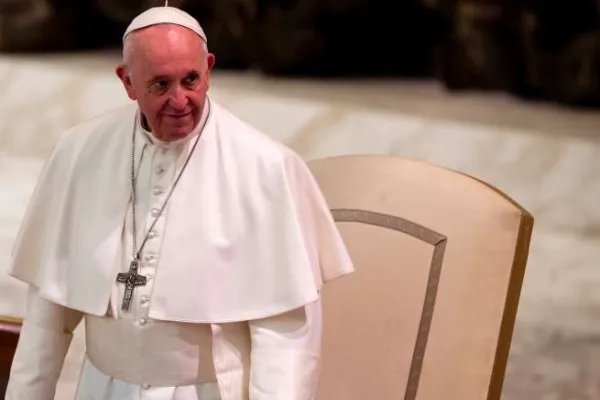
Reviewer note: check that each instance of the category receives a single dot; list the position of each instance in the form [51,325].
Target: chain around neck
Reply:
[137,252]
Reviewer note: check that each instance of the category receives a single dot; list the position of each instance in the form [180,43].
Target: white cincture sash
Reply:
[151,352]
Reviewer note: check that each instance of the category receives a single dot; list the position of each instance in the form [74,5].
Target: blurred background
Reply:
[505,90]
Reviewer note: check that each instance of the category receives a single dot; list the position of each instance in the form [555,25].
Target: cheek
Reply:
[151,105]
[198,98]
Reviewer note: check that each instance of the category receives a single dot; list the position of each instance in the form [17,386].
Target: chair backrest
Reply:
[440,258]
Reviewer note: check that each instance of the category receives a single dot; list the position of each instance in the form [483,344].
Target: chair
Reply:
[9,336]
[440,258]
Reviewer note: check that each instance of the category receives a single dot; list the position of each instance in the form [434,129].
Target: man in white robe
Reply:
[193,247]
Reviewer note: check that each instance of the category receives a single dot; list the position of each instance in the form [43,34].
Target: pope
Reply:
[191,245]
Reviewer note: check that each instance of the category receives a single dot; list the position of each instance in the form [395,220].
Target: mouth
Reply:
[178,116]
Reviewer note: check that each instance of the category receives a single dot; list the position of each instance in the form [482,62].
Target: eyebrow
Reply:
[158,78]
[166,77]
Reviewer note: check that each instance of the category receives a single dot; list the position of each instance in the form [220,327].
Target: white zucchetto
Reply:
[165,15]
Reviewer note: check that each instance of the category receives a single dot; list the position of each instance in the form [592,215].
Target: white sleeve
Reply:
[286,354]
[45,338]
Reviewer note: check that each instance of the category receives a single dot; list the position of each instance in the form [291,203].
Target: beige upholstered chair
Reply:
[440,258]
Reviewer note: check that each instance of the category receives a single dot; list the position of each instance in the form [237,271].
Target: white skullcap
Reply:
[165,15]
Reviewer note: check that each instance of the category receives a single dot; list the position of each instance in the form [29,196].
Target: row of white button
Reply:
[150,256]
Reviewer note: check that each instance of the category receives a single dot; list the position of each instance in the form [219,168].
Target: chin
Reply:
[176,135]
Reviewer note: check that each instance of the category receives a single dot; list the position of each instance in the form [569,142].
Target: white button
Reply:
[151,258]
[145,386]
[159,170]
[143,321]
[157,191]
[152,234]
[145,299]
[155,212]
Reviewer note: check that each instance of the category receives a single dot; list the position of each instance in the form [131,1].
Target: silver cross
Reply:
[131,280]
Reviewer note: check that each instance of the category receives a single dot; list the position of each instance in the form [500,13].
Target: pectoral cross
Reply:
[131,279]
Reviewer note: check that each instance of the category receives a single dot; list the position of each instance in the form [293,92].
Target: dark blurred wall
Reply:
[533,49]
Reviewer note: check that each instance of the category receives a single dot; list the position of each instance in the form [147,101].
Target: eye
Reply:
[192,79]
[159,86]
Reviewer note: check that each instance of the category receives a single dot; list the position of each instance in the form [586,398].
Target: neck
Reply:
[145,124]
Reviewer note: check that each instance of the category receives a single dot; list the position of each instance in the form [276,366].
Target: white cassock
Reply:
[235,265]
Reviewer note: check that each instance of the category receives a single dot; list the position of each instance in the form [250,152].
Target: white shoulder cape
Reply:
[248,234]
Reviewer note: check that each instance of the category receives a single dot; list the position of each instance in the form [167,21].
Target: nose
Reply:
[178,98]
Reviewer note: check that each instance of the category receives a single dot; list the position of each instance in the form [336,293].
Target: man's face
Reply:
[167,71]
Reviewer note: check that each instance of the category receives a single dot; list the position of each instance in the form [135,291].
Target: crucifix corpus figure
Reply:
[213,232]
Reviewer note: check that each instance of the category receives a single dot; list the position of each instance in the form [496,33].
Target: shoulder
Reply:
[96,129]
[252,141]
[278,167]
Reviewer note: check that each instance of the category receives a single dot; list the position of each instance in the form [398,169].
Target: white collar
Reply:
[153,141]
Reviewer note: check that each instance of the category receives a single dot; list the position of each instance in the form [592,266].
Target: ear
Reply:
[211,60]
[210,63]
[126,80]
